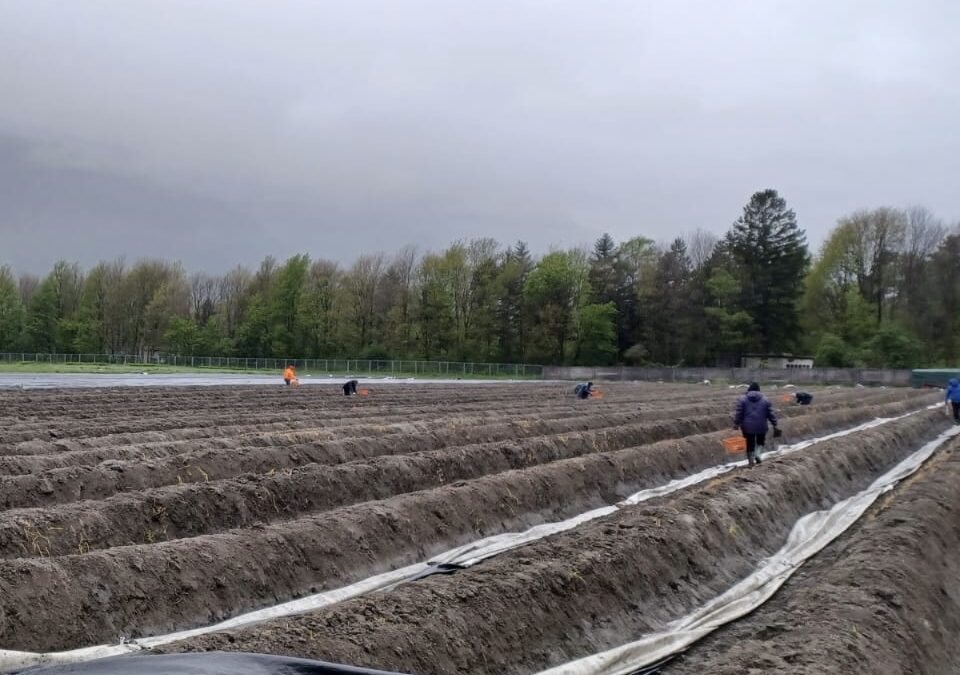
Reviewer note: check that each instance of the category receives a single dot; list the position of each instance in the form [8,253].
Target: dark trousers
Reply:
[956,411]
[753,440]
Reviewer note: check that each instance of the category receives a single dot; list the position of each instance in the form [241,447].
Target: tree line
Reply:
[884,291]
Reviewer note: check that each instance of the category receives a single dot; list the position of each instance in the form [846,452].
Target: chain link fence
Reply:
[360,367]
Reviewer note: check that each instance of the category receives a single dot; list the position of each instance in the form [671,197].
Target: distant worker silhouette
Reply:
[953,399]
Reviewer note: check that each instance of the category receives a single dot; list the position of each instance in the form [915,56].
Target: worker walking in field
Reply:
[290,376]
[953,398]
[350,388]
[753,413]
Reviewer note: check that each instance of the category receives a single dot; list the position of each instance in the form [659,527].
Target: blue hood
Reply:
[953,391]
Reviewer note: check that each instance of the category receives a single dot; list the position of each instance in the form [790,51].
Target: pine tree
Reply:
[670,303]
[770,252]
[603,270]
[604,247]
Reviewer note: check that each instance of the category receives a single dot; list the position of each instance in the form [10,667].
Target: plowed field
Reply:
[134,513]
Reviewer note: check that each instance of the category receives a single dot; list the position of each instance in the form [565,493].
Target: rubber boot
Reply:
[757,453]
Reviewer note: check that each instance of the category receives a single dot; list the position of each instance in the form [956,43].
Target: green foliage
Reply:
[284,301]
[42,318]
[668,300]
[182,337]
[833,352]
[376,352]
[884,290]
[770,254]
[552,287]
[728,329]
[212,339]
[254,335]
[596,335]
[891,347]
[88,337]
[11,312]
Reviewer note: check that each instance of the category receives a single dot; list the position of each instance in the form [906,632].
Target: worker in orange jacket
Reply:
[290,375]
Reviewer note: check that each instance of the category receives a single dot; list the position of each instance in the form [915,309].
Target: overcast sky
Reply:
[218,131]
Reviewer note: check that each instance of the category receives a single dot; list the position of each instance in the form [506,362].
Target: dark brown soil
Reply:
[93,474]
[189,509]
[883,599]
[160,509]
[591,588]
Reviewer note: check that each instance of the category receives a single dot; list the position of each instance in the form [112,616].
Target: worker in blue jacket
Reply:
[953,398]
[753,412]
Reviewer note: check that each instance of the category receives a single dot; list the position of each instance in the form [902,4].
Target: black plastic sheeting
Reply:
[202,663]
[441,568]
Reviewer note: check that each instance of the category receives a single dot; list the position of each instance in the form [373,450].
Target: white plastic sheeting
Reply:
[12,660]
[463,556]
[478,551]
[807,538]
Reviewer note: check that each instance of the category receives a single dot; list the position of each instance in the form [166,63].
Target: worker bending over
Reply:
[350,388]
[583,390]
[753,412]
[290,376]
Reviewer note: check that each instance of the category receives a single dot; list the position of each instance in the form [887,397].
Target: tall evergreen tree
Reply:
[603,270]
[771,257]
[670,306]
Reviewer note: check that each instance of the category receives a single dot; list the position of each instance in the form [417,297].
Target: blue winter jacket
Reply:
[753,412]
[953,391]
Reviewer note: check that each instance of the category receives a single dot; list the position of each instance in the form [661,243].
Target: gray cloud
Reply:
[221,131]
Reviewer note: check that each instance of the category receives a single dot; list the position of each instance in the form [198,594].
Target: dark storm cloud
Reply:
[219,131]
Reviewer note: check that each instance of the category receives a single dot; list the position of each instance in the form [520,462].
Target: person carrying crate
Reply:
[751,416]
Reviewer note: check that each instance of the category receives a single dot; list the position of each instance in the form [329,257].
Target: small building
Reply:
[775,361]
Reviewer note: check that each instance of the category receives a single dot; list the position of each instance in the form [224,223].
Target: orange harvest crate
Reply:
[735,445]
